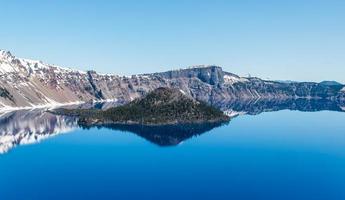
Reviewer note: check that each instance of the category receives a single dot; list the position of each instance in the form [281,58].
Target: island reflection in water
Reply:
[28,127]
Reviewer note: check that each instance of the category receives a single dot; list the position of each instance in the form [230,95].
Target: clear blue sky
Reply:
[295,39]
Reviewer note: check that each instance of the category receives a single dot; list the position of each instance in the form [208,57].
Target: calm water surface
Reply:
[273,155]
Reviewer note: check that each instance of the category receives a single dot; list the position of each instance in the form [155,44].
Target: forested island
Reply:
[162,106]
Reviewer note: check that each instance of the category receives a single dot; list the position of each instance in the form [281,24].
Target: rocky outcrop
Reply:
[28,83]
[212,75]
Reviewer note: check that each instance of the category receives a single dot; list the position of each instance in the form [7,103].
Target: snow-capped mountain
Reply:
[34,83]
[30,83]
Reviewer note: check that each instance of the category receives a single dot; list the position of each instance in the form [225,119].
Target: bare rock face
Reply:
[27,83]
[212,75]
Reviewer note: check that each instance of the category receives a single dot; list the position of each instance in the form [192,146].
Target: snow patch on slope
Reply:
[233,79]
[232,113]
[6,68]
[183,92]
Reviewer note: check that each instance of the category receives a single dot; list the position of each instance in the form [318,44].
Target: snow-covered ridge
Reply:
[6,55]
[5,62]
[7,59]
[35,84]
[8,63]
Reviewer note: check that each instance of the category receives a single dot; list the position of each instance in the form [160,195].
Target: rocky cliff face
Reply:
[28,83]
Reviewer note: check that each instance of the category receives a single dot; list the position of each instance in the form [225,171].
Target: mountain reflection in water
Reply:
[31,126]
[27,127]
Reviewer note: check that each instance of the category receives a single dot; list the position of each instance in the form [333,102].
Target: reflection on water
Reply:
[26,127]
[167,135]
[254,107]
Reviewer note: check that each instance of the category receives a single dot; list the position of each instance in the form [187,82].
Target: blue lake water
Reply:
[272,155]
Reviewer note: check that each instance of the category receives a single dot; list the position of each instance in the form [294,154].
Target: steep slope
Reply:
[33,83]
[30,83]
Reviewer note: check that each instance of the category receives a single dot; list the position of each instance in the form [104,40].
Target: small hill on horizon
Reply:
[331,83]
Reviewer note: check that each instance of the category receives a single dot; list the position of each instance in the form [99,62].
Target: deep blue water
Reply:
[275,155]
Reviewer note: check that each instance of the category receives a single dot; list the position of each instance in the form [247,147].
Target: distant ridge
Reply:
[330,83]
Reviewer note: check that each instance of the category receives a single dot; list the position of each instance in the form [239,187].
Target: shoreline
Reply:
[48,106]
